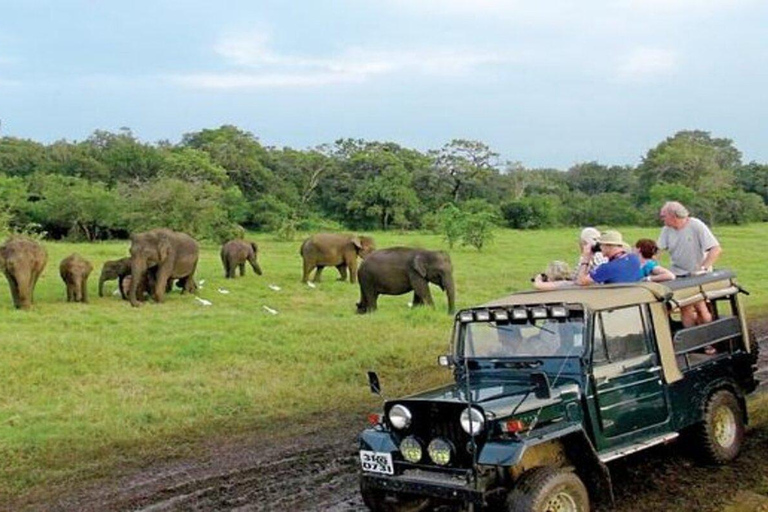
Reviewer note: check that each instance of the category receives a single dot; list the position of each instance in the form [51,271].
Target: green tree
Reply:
[127,159]
[75,207]
[451,223]
[239,153]
[594,178]
[190,164]
[479,221]
[389,194]
[21,157]
[753,177]
[693,159]
[464,164]
[194,208]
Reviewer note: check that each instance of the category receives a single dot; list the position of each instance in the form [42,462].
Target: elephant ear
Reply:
[357,243]
[420,265]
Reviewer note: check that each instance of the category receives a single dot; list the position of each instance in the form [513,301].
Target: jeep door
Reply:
[627,397]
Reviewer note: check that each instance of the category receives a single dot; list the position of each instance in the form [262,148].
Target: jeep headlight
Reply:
[440,451]
[472,421]
[410,447]
[400,417]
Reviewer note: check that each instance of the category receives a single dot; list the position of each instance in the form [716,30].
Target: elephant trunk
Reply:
[450,292]
[138,271]
[102,279]
[255,264]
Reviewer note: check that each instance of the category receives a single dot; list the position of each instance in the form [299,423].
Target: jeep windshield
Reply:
[524,338]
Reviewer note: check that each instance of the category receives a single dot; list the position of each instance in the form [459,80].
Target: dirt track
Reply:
[319,473]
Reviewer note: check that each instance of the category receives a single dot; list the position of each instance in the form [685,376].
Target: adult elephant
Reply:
[173,254]
[115,269]
[399,270]
[74,271]
[235,253]
[334,250]
[22,261]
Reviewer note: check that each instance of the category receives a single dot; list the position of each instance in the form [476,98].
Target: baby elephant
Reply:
[235,253]
[115,269]
[74,270]
[398,270]
[22,260]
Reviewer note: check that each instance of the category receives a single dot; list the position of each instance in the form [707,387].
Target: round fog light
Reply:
[410,447]
[440,451]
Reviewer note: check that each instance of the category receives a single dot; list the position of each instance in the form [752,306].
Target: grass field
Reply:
[86,388]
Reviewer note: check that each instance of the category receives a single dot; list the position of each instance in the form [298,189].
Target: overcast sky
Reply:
[543,82]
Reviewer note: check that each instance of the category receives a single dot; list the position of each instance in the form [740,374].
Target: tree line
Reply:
[216,182]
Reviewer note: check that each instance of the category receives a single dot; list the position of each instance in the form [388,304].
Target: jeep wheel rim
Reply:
[561,502]
[724,426]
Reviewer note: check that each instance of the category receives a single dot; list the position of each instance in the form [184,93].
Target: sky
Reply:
[548,83]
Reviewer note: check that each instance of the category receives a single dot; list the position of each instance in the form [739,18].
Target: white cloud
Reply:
[258,66]
[645,63]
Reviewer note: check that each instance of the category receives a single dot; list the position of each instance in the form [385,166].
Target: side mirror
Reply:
[540,384]
[373,383]
[446,361]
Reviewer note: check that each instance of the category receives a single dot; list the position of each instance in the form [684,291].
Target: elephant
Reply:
[74,271]
[147,284]
[235,253]
[398,270]
[334,250]
[174,255]
[115,269]
[22,261]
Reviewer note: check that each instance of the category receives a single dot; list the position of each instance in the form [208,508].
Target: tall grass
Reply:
[84,388]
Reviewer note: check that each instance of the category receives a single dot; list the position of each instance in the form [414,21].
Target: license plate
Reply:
[377,462]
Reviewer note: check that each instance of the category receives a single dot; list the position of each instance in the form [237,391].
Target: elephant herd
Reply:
[160,257]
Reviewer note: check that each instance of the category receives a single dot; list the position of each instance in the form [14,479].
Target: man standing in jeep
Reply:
[693,248]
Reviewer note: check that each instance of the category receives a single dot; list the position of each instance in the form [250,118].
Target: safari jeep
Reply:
[550,387]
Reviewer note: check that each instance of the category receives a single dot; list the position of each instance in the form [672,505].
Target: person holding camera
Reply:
[589,238]
[623,266]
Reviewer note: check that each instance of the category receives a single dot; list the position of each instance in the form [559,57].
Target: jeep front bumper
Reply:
[423,483]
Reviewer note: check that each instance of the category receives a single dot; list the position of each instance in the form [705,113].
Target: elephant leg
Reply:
[70,292]
[242,269]
[190,286]
[352,265]
[84,290]
[306,271]
[161,281]
[120,285]
[417,300]
[342,271]
[421,290]
[318,274]
[15,293]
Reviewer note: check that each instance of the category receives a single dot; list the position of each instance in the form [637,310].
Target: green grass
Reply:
[85,388]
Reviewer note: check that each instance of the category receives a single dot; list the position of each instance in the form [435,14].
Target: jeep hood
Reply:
[499,398]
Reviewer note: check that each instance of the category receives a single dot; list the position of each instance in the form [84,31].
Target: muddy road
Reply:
[318,472]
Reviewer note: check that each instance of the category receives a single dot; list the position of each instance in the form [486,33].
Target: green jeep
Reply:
[549,387]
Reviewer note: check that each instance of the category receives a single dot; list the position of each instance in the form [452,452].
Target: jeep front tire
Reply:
[548,489]
[721,432]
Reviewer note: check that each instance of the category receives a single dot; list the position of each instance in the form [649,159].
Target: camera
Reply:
[544,277]
[596,247]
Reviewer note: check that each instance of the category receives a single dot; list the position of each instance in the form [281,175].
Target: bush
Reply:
[534,212]
[451,224]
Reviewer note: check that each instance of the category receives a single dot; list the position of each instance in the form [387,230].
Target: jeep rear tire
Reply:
[378,501]
[721,432]
[548,489]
